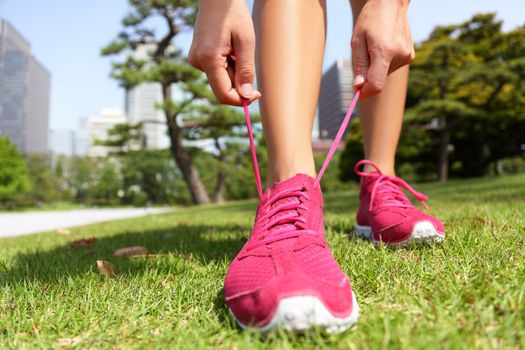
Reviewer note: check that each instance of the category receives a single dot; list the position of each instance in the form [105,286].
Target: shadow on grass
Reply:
[207,244]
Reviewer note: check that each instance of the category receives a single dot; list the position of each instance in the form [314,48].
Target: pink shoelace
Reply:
[388,188]
[286,214]
[286,219]
[333,147]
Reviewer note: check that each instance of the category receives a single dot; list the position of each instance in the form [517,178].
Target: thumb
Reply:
[244,65]
[361,60]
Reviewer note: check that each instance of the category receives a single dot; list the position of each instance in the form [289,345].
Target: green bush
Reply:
[44,182]
[14,179]
[104,191]
[415,155]
[148,176]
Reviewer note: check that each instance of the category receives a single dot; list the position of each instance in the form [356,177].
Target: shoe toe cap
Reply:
[258,307]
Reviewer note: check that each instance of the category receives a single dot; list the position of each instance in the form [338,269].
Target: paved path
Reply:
[17,224]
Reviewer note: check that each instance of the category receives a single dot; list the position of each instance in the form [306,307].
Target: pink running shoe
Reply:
[386,215]
[285,276]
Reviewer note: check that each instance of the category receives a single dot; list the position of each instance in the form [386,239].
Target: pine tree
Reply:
[194,114]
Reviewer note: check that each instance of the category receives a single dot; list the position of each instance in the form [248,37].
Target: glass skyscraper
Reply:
[141,104]
[24,93]
[335,96]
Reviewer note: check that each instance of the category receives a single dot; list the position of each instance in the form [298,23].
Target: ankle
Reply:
[386,168]
[289,170]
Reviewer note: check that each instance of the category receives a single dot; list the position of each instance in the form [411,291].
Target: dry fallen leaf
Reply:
[130,251]
[106,268]
[69,341]
[83,243]
[63,231]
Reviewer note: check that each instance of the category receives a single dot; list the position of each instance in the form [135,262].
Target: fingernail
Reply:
[359,79]
[246,90]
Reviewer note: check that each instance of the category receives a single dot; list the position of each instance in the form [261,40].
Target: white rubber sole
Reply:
[423,232]
[306,312]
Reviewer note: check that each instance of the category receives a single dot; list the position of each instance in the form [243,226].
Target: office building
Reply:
[335,96]
[96,128]
[141,104]
[24,93]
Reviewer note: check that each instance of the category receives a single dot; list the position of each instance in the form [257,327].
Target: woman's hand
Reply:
[225,27]
[381,43]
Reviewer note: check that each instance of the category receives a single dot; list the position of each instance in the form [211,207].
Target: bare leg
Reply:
[381,119]
[290,45]
[382,116]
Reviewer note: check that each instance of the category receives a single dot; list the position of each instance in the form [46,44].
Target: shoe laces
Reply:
[287,208]
[285,218]
[388,189]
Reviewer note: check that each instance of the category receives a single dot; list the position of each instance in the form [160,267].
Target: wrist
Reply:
[401,3]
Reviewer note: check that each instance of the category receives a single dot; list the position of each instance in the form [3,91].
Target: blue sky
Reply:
[66,36]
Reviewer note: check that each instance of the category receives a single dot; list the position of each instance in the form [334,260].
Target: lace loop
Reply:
[285,214]
[388,187]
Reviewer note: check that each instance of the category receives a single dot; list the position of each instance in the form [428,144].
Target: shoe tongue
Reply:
[297,180]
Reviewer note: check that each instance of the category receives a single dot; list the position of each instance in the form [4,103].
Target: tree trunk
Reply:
[444,133]
[444,141]
[218,193]
[183,158]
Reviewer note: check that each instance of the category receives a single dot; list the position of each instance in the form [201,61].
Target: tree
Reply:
[14,179]
[61,175]
[469,77]
[195,107]
[148,176]
[81,177]
[123,138]
[107,185]
[44,183]
[94,180]
[441,60]
[224,131]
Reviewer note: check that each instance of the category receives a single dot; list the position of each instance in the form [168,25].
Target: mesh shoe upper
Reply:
[286,255]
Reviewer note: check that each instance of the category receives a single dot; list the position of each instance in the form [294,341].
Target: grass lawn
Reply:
[467,293]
